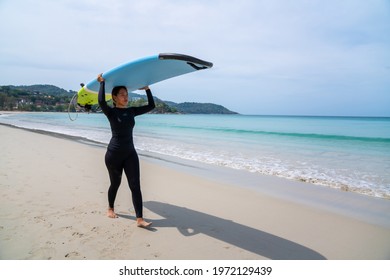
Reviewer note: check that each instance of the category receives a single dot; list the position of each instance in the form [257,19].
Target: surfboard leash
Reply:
[70,103]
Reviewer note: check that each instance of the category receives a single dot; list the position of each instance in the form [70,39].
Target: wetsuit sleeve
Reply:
[147,108]
[102,99]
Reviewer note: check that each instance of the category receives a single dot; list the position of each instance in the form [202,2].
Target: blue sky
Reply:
[280,57]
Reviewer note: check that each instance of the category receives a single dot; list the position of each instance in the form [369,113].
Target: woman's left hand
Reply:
[144,88]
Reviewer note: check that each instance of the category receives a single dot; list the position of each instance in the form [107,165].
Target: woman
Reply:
[121,154]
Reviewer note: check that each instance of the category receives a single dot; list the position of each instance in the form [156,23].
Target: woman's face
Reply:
[121,99]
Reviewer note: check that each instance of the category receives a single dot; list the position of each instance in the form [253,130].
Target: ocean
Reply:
[346,153]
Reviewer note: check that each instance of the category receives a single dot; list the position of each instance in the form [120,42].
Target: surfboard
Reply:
[140,73]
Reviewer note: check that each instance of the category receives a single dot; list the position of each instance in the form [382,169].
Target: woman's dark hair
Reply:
[115,92]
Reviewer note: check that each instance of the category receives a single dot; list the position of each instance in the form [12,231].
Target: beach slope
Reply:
[53,205]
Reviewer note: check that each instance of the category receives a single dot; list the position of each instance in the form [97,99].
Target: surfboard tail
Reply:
[86,97]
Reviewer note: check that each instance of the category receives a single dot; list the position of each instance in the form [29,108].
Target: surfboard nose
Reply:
[197,63]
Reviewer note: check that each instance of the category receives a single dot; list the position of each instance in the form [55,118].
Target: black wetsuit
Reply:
[121,154]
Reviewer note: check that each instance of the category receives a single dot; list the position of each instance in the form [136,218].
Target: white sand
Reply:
[53,205]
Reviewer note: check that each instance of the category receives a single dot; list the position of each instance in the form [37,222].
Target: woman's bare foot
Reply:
[142,223]
[111,213]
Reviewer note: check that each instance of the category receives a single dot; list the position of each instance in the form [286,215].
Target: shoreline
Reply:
[301,173]
[282,116]
[349,204]
[55,209]
[344,202]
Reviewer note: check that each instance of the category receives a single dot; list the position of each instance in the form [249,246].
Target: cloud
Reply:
[266,54]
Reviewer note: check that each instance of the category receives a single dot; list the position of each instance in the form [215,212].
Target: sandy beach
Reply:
[54,199]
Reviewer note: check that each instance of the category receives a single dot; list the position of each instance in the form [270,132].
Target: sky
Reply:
[271,57]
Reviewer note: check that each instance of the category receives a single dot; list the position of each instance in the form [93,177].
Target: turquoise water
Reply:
[340,152]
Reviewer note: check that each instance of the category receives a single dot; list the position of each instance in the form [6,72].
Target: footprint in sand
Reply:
[74,255]
[77,234]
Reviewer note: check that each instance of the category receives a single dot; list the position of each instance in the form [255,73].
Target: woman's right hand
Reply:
[100,78]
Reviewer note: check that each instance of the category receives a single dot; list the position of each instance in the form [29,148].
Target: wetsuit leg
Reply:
[115,168]
[132,171]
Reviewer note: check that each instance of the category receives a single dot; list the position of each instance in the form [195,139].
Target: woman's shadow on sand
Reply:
[190,222]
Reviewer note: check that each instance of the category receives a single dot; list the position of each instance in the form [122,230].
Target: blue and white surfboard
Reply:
[140,73]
